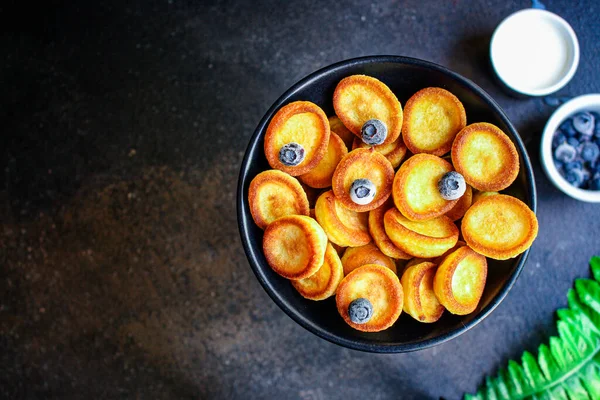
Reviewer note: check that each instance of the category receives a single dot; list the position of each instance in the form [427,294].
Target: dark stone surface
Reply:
[123,127]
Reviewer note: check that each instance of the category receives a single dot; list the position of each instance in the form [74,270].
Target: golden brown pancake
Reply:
[323,283]
[380,237]
[462,205]
[480,195]
[420,301]
[460,279]
[294,246]
[321,175]
[355,257]
[436,260]
[336,125]
[423,239]
[486,157]
[415,188]
[432,118]
[300,122]
[394,151]
[273,194]
[363,164]
[343,227]
[381,287]
[359,98]
[499,227]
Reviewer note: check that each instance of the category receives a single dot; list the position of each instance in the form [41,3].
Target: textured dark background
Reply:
[123,125]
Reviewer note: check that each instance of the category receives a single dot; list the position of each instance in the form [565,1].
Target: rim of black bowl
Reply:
[362,344]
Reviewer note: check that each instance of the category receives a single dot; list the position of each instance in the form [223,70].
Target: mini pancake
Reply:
[355,257]
[462,205]
[380,237]
[320,176]
[300,122]
[323,283]
[294,246]
[273,194]
[381,287]
[363,164]
[359,98]
[486,157]
[499,227]
[394,151]
[336,125]
[343,227]
[438,260]
[480,195]
[435,260]
[432,118]
[420,301]
[423,239]
[415,188]
[459,281]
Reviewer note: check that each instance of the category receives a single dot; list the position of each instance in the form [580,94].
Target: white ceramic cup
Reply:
[534,52]
[588,102]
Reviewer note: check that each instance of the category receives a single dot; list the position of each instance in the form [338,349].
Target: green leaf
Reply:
[569,366]
[589,293]
[591,378]
[532,370]
[575,389]
[477,396]
[546,395]
[547,363]
[499,384]
[583,311]
[560,353]
[490,393]
[595,266]
[517,378]
[574,342]
[558,393]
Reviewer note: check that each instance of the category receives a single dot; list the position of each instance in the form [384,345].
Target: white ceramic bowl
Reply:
[534,52]
[588,102]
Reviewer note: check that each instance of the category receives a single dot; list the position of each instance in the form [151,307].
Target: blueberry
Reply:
[586,175]
[595,183]
[291,154]
[573,142]
[362,191]
[573,165]
[559,138]
[567,128]
[565,153]
[452,185]
[590,152]
[583,123]
[559,165]
[574,177]
[373,132]
[360,311]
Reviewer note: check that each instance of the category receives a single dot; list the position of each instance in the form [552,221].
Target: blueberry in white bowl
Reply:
[570,148]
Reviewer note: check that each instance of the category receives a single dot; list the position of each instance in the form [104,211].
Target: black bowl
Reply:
[404,76]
